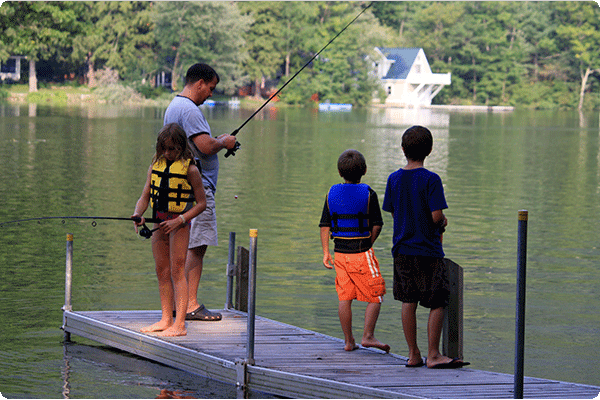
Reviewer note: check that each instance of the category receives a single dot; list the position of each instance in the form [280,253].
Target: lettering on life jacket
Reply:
[170,190]
[349,208]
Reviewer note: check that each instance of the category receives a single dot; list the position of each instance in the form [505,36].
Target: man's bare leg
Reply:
[193,272]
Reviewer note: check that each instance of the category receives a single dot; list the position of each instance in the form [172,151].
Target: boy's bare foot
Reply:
[375,343]
[414,360]
[442,361]
[173,331]
[157,327]
[350,346]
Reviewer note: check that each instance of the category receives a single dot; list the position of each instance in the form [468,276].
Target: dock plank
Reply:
[294,362]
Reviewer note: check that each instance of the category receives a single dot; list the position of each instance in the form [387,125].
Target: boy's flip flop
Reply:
[202,314]
[417,365]
[455,363]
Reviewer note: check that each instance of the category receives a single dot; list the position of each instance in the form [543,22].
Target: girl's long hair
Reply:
[174,133]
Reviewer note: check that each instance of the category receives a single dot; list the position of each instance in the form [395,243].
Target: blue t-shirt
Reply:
[412,195]
[186,113]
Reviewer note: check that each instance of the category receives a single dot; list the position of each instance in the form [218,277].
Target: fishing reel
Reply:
[231,152]
[145,232]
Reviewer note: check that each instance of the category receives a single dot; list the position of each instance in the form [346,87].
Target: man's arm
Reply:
[209,145]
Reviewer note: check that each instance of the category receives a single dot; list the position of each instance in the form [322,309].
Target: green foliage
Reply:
[530,54]
[151,92]
[340,73]
[208,32]
[118,94]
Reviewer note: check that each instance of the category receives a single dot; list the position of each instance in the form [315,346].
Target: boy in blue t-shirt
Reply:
[415,197]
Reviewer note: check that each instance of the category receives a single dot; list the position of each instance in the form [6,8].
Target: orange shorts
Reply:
[357,276]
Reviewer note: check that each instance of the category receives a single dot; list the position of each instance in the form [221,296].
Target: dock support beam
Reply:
[241,370]
[452,333]
[68,283]
[520,318]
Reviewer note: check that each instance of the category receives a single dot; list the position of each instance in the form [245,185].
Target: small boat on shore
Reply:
[335,107]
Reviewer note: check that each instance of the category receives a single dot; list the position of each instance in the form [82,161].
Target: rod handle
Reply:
[231,152]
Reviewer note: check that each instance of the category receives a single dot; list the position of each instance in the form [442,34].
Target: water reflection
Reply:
[407,117]
[132,377]
[93,161]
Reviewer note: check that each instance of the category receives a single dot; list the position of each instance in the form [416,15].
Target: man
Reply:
[200,82]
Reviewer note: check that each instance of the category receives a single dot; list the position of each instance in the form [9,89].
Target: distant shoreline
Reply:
[454,107]
[80,97]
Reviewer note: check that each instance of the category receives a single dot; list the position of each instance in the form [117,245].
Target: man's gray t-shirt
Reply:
[186,113]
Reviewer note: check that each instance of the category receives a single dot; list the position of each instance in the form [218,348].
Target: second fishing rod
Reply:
[231,152]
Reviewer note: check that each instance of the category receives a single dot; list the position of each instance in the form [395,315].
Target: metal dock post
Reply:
[241,366]
[520,319]
[252,296]
[68,282]
[230,271]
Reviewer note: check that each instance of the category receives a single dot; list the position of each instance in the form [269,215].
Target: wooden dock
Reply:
[297,363]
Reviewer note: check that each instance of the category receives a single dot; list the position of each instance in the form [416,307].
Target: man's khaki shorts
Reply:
[203,231]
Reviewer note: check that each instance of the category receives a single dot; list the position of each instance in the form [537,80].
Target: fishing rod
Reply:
[144,232]
[231,152]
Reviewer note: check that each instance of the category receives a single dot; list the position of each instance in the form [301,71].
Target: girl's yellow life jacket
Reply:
[170,191]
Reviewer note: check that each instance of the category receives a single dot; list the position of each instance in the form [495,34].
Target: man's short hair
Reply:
[417,143]
[352,165]
[200,71]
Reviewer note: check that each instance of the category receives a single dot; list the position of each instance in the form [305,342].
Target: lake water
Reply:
[92,161]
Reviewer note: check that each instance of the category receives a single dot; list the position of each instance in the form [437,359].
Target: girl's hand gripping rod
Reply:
[231,152]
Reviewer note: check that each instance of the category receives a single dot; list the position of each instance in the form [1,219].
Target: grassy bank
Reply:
[68,94]
[62,95]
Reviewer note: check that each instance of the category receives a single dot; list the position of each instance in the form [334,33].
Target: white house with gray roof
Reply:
[406,77]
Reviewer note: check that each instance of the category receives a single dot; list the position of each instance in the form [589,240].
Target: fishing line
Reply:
[144,232]
[237,144]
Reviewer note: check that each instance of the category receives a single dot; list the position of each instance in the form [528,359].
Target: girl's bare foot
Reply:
[157,327]
[173,331]
[375,343]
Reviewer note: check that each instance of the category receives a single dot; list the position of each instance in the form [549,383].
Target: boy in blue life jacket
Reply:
[352,217]
[415,197]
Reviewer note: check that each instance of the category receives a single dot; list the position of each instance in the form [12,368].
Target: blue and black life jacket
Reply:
[349,208]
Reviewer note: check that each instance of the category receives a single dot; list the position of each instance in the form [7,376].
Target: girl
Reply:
[172,187]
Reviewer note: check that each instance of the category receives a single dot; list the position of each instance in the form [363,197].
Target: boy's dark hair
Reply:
[201,71]
[352,165]
[417,143]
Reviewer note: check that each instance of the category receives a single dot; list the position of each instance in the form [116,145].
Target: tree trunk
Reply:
[33,87]
[584,79]
[174,74]
[91,74]
[257,91]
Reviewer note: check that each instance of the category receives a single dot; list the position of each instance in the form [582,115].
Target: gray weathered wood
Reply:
[241,281]
[294,362]
[452,337]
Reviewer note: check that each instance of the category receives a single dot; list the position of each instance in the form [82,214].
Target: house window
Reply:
[389,90]
[417,68]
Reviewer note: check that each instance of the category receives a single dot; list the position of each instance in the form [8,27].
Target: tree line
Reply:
[527,54]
